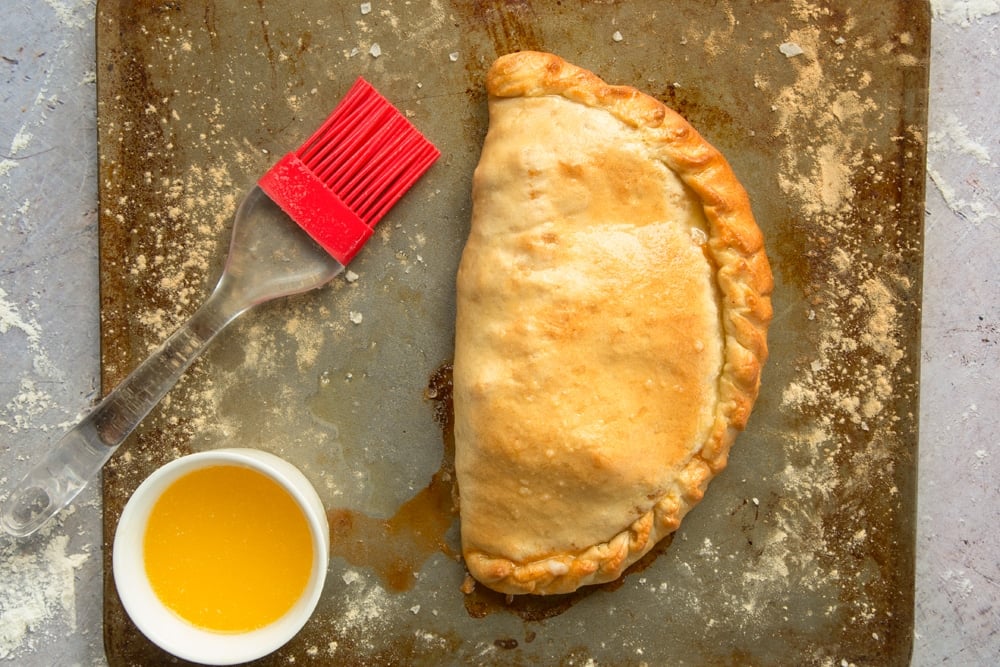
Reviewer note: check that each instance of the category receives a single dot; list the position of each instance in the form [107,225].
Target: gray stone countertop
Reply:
[51,585]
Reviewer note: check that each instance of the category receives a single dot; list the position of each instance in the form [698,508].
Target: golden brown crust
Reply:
[742,279]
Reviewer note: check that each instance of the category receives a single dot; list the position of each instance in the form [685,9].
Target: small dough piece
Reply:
[613,303]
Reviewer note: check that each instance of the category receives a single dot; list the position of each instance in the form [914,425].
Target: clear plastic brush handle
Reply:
[270,256]
[78,457]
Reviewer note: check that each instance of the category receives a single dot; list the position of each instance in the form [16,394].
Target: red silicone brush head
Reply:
[350,172]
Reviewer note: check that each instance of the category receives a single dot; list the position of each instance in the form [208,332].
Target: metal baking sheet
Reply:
[802,551]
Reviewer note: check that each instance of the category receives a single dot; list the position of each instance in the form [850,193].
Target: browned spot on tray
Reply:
[397,547]
[119,290]
[509,24]
[491,28]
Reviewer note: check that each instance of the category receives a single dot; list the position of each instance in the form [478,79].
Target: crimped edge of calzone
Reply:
[744,282]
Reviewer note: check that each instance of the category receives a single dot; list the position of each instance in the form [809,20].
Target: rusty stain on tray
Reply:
[801,553]
[397,547]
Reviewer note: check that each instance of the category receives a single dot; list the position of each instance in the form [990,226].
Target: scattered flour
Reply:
[42,591]
[842,401]
[10,318]
[951,136]
[70,14]
[20,141]
[30,400]
[365,611]
[964,12]
[959,582]
[952,140]
[37,576]
[73,14]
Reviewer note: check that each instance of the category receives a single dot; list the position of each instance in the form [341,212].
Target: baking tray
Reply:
[802,552]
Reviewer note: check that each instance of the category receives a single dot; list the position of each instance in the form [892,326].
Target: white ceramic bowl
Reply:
[164,627]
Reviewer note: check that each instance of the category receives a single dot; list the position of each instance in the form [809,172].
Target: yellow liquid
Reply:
[227,549]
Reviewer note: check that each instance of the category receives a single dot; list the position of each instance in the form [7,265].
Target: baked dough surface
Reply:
[613,302]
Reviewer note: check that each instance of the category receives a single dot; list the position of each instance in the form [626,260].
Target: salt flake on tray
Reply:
[791,49]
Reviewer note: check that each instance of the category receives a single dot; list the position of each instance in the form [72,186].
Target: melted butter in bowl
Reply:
[227,548]
[220,557]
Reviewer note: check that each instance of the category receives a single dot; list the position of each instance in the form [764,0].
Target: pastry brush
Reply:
[295,231]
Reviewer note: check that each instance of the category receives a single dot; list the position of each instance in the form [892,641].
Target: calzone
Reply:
[612,308]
